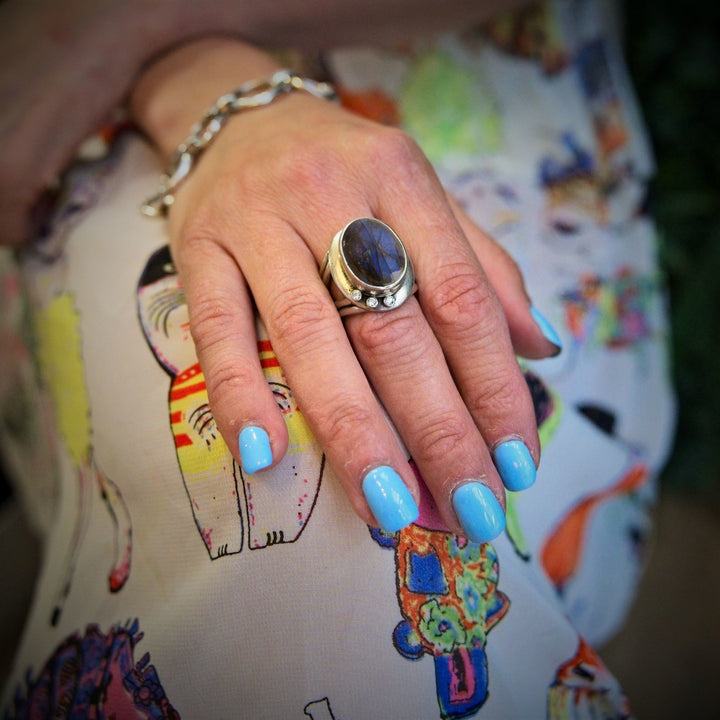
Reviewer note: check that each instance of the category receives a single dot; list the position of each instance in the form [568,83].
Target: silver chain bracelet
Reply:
[252,94]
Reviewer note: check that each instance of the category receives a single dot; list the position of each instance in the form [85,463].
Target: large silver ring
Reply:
[370,267]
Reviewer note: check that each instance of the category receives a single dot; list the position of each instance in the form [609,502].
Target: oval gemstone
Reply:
[372,253]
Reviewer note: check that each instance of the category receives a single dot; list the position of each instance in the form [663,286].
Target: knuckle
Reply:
[213,329]
[211,318]
[192,245]
[395,155]
[441,436]
[393,147]
[228,377]
[383,334]
[501,393]
[461,299]
[299,316]
[339,423]
[196,237]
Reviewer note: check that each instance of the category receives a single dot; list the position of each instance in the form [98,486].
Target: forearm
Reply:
[65,65]
[63,68]
[320,24]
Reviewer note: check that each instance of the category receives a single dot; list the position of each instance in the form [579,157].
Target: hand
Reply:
[253,223]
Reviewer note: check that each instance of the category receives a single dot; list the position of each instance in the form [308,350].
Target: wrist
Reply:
[174,92]
[251,95]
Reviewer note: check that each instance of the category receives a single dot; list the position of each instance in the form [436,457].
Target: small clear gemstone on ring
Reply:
[388,300]
[356,295]
[371,302]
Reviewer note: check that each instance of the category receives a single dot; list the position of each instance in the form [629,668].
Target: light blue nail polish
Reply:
[546,328]
[515,465]
[389,499]
[255,450]
[478,511]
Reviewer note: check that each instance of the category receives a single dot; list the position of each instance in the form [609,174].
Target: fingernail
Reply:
[546,328]
[478,511]
[255,450]
[515,465]
[389,499]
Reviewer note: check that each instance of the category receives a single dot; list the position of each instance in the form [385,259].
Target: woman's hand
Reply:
[251,226]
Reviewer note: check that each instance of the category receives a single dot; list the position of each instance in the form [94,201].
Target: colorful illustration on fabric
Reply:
[276,506]
[585,688]
[449,601]
[95,675]
[79,190]
[562,550]
[596,79]
[449,108]
[574,201]
[373,104]
[548,411]
[319,710]
[546,404]
[532,33]
[27,436]
[495,203]
[598,184]
[610,312]
[60,356]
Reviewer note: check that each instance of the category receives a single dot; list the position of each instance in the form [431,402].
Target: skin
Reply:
[254,220]
[65,64]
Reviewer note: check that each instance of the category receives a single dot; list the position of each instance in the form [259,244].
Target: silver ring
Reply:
[369,265]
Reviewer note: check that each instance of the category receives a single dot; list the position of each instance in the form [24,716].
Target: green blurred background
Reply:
[673,51]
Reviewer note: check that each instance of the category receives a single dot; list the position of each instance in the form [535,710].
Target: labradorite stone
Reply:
[372,253]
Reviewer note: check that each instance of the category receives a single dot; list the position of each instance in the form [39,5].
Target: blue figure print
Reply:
[449,601]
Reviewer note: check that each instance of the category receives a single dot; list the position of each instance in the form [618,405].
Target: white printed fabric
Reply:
[174,586]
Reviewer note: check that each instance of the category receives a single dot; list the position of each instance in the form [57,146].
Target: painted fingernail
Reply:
[546,328]
[255,451]
[389,499]
[515,465]
[478,511]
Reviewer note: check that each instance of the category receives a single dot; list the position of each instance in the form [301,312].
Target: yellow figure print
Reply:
[229,507]
[60,356]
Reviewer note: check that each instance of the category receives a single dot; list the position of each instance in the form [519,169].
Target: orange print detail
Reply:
[182,440]
[177,393]
[562,550]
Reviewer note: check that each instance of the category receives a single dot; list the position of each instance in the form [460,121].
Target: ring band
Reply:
[370,267]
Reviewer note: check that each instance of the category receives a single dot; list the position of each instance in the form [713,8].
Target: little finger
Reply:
[222,324]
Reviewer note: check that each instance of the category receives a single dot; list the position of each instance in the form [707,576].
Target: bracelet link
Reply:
[250,95]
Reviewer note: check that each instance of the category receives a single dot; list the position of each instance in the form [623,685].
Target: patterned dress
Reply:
[174,586]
